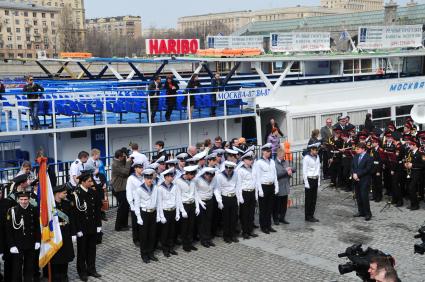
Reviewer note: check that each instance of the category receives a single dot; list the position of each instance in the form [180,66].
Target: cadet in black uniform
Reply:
[414,165]
[88,224]
[375,153]
[335,167]
[23,237]
[65,255]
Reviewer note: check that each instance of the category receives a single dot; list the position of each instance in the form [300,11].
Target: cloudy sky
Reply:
[164,13]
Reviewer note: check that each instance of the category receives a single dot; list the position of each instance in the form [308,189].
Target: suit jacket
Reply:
[283,178]
[362,169]
[152,89]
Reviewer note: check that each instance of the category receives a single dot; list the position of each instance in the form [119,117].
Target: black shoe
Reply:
[193,248]
[253,235]
[265,230]
[368,217]
[234,239]
[146,259]
[174,253]
[255,226]
[84,278]
[276,222]
[94,274]
[137,243]
[166,254]
[312,219]
[245,236]
[272,230]
[178,241]
[211,243]
[205,244]
[123,229]
[227,240]
[187,249]
[400,204]
[153,258]
[282,220]
[413,208]
[358,215]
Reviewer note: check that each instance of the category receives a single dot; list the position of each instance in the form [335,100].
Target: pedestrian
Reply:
[189,207]
[218,144]
[88,225]
[120,171]
[23,238]
[33,91]
[160,151]
[267,186]
[228,197]
[216,86]
[77,167]
[274,140]
[205,184]
[94,163]
[361,174]
[193,87]
[171,87]
[146,205]
[314,137]
[326,132]
[65,254]
[154,92]
[137,156]
[246,183]
[284,173]
[311,175]
[375,153]
[169,203]
[414,165]
[269,127]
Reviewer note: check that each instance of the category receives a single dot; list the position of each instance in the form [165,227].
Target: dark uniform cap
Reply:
[85,174]
[60,188]
[337,130]
[20,179]
[420,134]
[22,194]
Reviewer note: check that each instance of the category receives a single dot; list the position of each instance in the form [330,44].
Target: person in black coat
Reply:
[86,210]
[23,237]
[171,87]
[362,167]
[216,86]
[34,92]
[269,127]
[368,124]
[154,91]
[65,255]
[193,87]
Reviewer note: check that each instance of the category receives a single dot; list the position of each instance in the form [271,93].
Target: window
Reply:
[403,110]
[19,46]
[25,14]
[27,30]
[44,23]
[9,38]
[16,21]
[334,118]
[381,113]
[52,15]
[9,30]
[304,126]
[35,22]
[358,117]
[18,30]
[43,15]
[29,55]
[34,14]
[18,38]
[6,12]
[37,47]
[20,55]
[29,46]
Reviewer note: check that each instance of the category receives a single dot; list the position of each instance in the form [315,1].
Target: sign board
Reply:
[235,42]
[242,94]
[300,41]
[171,46]
[387,37]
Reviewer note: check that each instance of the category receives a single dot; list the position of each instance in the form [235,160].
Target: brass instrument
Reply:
[408,160]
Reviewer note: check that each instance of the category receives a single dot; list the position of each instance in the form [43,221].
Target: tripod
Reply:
[388,205]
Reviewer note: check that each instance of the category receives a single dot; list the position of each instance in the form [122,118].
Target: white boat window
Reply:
[381,113]
[358,117]
[302,127]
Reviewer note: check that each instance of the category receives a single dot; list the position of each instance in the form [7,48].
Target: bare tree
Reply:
[70,39]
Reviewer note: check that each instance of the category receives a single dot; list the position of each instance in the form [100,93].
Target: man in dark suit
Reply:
[154,91]
[361,173]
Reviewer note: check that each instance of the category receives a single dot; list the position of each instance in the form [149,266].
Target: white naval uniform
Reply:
[75,170]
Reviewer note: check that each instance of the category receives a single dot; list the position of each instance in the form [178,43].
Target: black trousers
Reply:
[362,197]
[23,264]
[396,187]
[187,225]
[147,233]
[311,198]
[36,266]
[59,272]
[230,216]
[336,172]
[325,163]
[377,186]
[86,254]
[8,265]
[205,221]
[171,102]
[135,228]
[387,180]
[122,211]
[153,108]
[168,231]
[217,220]
[213,105]
[247,212]
[279,207]
[346,172]
[266,206]
[414,187]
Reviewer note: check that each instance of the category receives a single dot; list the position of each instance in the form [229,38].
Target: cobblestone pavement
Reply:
[297,252]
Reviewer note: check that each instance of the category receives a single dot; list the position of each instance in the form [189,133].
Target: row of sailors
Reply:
[182,193]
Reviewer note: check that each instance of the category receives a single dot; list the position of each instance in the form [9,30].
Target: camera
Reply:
[420,248]
[360,260]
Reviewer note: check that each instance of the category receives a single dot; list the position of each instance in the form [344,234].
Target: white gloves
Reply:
[37,246]
[241,201]
[220,205]
[276,191]
[260,193]
[202,204]
[177,216]
[184,214]
[132,208]
[1,256]
[163,220]
[74,239]
[139,220]
[98,229]
[197,211]
[14,250]
[79,234]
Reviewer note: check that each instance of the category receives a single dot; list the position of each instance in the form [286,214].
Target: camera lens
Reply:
[420,248]
[345,268]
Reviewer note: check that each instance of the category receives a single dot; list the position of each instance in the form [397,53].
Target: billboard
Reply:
[235,42]
[387,37]
[171,46]
[300,41]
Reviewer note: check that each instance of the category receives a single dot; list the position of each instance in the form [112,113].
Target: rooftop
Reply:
[4,4]
[111,19]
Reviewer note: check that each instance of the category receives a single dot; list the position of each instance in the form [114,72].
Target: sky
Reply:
[164,13]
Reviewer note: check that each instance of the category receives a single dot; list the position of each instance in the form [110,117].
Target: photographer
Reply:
[362,166]
[379,267]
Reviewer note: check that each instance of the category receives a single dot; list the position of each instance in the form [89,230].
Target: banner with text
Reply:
[242,94]
[300,41]
[235,42]
[386,37]
[171,46]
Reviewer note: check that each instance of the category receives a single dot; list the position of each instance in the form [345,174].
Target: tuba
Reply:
[418,113]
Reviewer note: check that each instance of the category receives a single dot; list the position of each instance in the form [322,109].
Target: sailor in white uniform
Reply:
[77,167]
[134,182]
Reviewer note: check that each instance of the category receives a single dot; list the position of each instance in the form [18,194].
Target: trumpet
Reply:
[407,161]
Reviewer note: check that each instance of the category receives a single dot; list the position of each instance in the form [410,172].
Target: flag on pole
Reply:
[51,236]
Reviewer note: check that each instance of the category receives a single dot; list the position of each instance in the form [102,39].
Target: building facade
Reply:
[27,29]
[353,5]
[130,26]
[232,21]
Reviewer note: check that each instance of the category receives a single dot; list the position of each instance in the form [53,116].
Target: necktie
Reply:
[360,159]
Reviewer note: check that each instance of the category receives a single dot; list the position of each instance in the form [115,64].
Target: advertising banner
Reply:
[387,37]
[300,41]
